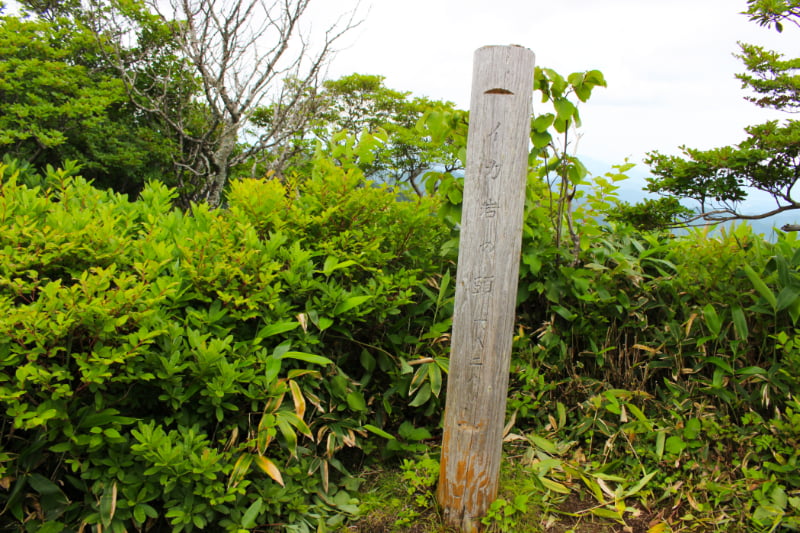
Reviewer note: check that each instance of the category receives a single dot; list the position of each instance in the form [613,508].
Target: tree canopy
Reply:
[768,159]
[359,103]
[59,100]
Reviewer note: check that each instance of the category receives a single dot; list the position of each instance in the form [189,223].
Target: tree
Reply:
[651,214]
[362,103]
[233,57]
[358,105]
[767,160]
[60,101]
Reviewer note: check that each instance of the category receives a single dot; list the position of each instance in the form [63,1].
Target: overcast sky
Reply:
[669,64]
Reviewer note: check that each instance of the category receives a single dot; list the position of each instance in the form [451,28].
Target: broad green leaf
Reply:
[356,402]
[419,378]
[583,92]
[639,485]
[443,285]
[272,367]
[275,329]
[543,122]
[661,437]
[378,431]
[639,415]
[607,513]
[787,297]
[541,139]
[576,172]
[561,124]
[544,444]
[760,286]
[794,311]
[554,486]
[675,445]
[294,420]
[101,418]
[562,414]
[422,396]
[594,487]
[595,77]
[289,435]
[52,527]
[713,320]
[692,429]
[565,313]
[266,430]
[353,301]
[557,82]
[368,361]
[112,433]
[778,496]
[332,264]
[739,323]
[435,376]
[108,504]
[565,109]
[43,485]
[297,398]
[408,432]
[719,363]
[249,517]
[751,371]
[307,357]
[609,477]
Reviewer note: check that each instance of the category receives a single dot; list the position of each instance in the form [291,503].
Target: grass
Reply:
[400,500]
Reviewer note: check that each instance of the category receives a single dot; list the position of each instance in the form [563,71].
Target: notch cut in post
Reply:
[486,282]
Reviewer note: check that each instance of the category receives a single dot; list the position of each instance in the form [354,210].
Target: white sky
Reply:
[668,63]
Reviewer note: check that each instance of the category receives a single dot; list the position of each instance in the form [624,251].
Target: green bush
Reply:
[205,369]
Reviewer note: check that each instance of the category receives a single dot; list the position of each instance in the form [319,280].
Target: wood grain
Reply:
[486,282]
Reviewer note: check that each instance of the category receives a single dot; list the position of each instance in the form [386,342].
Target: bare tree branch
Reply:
[224,59]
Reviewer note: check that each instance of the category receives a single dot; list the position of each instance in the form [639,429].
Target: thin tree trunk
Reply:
[215,183]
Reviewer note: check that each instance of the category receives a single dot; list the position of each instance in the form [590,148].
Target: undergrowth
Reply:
[256,368]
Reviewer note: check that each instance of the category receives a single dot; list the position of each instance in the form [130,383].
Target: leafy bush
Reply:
[205,369]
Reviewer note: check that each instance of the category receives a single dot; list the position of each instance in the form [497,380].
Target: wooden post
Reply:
[486,282]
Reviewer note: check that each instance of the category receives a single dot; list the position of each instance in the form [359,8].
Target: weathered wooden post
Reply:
[486,286]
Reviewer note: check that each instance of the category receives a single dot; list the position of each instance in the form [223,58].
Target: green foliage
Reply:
[420,477]
[775,12]
[361,104]
[651,214]
[630,344]
[213,369]
[502,514]
[230,369]
[658,361]
[60,100]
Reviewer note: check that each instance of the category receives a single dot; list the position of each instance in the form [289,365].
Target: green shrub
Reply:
[203,369]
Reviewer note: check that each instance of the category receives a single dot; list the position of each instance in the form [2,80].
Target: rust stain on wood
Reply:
[498,90]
